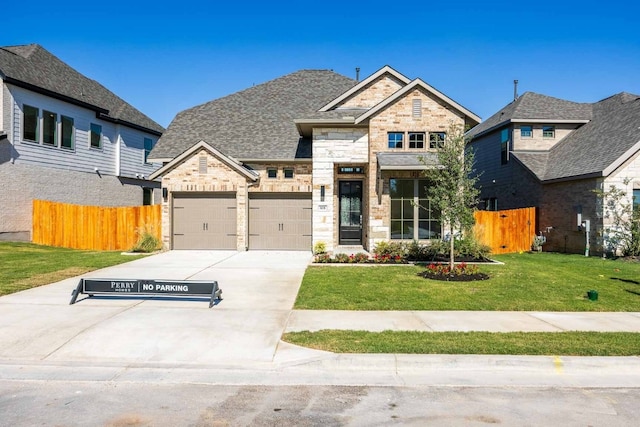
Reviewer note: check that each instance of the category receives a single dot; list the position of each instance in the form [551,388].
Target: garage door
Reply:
[204,221]
[280,221]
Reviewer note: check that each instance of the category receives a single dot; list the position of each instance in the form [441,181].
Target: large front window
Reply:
[30,126]
[412,216]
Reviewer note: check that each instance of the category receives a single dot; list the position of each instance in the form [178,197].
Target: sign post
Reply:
[125,287]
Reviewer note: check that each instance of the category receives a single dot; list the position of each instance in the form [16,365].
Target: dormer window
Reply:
[548,132]
[526,131]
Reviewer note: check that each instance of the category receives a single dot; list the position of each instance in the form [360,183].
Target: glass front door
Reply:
[350,213]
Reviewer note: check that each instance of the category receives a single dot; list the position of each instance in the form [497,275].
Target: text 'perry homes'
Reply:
[148,287]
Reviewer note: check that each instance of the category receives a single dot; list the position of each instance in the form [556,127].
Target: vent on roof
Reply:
[417,107]
[202,169]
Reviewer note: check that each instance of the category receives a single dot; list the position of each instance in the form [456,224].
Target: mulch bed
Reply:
[453,277]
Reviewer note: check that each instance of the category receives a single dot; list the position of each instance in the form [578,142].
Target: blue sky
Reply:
[164,58]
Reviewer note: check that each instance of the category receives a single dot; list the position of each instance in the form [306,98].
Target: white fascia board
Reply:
[620,160]
[363,83]
[417,83]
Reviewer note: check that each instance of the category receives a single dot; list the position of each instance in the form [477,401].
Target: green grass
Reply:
[24,265]
[514,343]
[527,282]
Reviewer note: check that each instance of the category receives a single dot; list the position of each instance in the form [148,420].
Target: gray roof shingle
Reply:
[532,105]
[256,123]
[613,130]
[36,68]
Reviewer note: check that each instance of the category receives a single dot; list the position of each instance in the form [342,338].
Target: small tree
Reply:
[621,233]
[452,186]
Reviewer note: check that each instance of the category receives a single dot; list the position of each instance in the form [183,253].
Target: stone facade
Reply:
[435,116]
[537,141]
[218,176]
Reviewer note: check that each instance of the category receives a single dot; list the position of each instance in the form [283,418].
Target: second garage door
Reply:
[280,221]
[204,221]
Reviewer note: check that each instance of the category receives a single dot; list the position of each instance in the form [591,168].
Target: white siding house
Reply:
[65,138]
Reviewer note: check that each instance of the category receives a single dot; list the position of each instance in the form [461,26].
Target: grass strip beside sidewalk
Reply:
[510,343]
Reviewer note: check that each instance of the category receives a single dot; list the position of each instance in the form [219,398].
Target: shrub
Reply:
[319,248]
[390,250]
[360,257]
[323,258]
[147,240]
[341,258]
[469,246]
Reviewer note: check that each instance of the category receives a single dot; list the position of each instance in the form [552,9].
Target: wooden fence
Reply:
[92,227]
[506,231]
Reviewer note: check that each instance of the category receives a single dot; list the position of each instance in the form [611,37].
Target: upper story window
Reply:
[148,146]
[416,139]
[95,132]
[526,131]
[288,173]
[30,131]
[504,146]
[272,173]
[395,139]
[548,132]
[66,124]
[436,139]
[49,127]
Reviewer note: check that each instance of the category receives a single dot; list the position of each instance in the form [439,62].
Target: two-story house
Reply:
[66,138]
[553,154]
[309,157]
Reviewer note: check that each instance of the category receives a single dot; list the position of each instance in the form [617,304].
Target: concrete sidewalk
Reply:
[465,321]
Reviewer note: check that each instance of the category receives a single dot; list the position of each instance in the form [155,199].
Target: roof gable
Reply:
[362,86]
[229,161]
[417,83]
[35,68]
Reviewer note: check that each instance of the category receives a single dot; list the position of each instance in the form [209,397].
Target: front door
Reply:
[350,213]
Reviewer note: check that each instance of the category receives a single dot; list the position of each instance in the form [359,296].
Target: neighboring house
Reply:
[552,154]
[309,157]
[66,138]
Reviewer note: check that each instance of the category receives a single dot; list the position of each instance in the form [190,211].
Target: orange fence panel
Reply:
[92,227]
[506,231]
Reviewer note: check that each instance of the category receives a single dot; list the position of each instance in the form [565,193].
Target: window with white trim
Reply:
[66,131]
[49,128]
[526,131]
[95,137]
[436,139]
[148,146]
[31,117]
[395,139]
[548,132]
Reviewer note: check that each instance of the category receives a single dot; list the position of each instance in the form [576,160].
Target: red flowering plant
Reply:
[459,272]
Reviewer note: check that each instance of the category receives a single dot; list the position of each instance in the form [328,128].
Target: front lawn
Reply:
[25,265]
[526,282]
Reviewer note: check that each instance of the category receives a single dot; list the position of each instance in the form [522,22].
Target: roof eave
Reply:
[551,121]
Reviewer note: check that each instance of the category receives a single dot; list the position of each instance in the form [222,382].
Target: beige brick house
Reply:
[552,154]
[309,157]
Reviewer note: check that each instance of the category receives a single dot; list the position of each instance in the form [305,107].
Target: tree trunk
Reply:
[451,256]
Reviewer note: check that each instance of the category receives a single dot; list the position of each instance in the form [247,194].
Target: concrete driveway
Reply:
[259,289]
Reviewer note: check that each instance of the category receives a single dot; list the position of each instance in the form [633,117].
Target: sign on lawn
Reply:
[148,287]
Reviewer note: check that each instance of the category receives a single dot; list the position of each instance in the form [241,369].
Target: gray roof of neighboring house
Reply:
[530,106]
[596,146]
[256,123]
[35,68]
